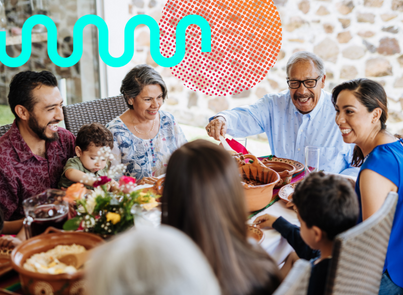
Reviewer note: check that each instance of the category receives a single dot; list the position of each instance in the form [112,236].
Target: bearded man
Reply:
[33,152]
[298,117]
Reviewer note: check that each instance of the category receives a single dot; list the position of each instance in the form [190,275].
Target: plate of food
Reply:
[5,262]
[255,233]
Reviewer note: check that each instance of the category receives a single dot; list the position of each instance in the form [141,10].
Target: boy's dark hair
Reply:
[95,134]
[21,87]
[328,202]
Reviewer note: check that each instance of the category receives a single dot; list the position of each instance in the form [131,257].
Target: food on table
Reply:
[48,263]
[147,180]
[239,158]
[252,182]
[157,188]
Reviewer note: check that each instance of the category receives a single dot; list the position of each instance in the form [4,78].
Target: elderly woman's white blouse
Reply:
[146,157]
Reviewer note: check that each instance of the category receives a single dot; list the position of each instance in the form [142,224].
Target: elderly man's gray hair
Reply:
[305,56]
[150,261]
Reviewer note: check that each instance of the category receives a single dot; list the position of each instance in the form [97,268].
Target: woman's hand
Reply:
[217,127]
[265,221]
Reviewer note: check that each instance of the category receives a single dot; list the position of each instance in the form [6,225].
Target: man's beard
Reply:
[39,130]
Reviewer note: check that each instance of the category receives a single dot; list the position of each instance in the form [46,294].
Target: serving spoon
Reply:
[76,259]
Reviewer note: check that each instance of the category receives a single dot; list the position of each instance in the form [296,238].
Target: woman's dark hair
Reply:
[21,87]
[204,198]
[96,134]
[372,95]
[139,77]
[333,200]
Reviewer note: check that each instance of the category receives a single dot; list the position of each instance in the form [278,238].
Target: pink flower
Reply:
[103,180]
[127,184]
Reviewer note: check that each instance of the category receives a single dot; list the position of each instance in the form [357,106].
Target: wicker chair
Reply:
[4,129]
[96,111]
[359,253]
[296,282]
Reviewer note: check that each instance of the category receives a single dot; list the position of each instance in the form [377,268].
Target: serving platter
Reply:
[298,165]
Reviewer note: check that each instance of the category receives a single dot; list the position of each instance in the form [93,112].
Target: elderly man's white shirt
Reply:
[289,131]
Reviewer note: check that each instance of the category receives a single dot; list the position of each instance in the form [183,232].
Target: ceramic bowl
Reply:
[286,192]
[298,165]
[38,283]
[255,233]
[258,196]
[284,170]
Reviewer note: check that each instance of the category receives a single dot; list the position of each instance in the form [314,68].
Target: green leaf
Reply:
[72,224]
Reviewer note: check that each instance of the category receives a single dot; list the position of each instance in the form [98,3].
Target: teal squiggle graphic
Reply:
[103,44]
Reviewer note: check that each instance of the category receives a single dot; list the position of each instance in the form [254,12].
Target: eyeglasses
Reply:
[310,83]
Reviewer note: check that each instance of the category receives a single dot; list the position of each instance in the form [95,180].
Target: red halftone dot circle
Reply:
[245,41]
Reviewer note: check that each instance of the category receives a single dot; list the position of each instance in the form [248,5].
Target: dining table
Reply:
[273,243]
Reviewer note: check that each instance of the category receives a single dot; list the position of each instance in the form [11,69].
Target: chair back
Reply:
[4,129]
[297,280]
[359,253]
[100,111]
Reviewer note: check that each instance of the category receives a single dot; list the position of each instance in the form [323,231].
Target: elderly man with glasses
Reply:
[298,117]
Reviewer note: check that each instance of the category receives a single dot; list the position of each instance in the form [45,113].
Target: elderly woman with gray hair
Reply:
[151,261]
[144,136]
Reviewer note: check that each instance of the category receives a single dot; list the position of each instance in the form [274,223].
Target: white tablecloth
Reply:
[273,242]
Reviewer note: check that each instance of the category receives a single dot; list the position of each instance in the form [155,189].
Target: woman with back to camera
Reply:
[144,136]
[204,198]
[150,261]
[361,113]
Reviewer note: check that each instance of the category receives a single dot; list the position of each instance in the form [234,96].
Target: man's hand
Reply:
[9,242]
[217,127]
[265,221]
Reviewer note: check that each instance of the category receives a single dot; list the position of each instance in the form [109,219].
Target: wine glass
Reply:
[311,159]
[43,210]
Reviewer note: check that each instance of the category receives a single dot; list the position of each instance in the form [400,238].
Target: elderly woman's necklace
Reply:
[152,127]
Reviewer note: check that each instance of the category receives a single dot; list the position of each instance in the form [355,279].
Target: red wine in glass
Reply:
[47,215]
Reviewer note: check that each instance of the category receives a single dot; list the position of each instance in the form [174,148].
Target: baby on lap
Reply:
[90,162]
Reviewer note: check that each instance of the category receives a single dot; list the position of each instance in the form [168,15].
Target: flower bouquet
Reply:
[107,209]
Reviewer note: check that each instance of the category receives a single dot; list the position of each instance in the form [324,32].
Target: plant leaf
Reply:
[72,224]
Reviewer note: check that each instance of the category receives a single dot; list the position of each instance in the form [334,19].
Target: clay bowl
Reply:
[38,283]
[258,196]
[286,192]
[255,233]
[284,170]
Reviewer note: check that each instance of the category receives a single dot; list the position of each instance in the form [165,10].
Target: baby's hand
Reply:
[114,186]
[265,221]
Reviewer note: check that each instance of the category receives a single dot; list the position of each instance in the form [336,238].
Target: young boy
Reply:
[326,206]
[89,163]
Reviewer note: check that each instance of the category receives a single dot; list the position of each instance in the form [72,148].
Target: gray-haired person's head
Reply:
[161,261]
[306,56]
[139,77]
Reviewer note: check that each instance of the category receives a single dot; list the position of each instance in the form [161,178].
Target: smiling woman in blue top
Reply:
[293,119]
[362,111]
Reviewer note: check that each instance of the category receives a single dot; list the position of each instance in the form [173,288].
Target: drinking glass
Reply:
[43,210]
[311,159]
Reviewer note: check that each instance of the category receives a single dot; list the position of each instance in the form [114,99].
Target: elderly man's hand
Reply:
[217,127]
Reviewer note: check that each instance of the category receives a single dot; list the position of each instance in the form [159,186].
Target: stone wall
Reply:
[82,79]
[360,38]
